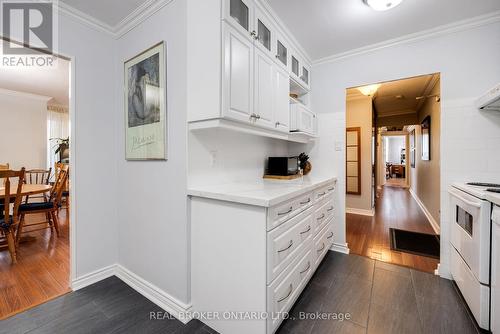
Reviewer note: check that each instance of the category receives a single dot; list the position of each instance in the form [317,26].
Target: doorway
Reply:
[36,104]
[393,215]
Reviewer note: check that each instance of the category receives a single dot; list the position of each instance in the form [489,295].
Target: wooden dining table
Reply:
[26,190]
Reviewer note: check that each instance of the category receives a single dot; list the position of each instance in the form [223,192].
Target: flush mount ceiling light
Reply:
[369,90]
[380,5]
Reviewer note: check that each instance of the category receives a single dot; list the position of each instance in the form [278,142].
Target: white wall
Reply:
[94,146]
[225,156]
[359,114]
[394,146]
[425,177]
[23,133]
[470,140]
[152,202]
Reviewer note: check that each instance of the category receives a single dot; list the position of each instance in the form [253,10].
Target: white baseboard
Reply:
[362,212]
[93,277]
[434,224]
[340,248]
[167,302]
[170,304]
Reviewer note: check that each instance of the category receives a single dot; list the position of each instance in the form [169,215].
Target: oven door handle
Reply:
[453,193]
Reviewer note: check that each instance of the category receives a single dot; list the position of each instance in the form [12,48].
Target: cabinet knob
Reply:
[253,33]
[257,116]
[277,124]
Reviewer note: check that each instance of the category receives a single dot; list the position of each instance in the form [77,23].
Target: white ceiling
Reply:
[110,12]
[327,27]
[51,82]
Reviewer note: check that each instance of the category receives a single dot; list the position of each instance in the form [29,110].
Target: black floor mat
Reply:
[415,243]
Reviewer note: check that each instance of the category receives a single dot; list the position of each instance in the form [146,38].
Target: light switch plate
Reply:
[338,146]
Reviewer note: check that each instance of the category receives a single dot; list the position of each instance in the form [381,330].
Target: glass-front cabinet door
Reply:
[239,13]
[305,75]
[295,67]
[264,32]
[282,52]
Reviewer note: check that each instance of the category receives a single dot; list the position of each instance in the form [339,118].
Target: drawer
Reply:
[283,292]
[285,242]
[324,191]
[322,243]
[280,213]
[323,214]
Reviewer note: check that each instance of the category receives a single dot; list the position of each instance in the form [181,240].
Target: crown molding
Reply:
[24,95]
[139,15]
[84,18]
[446,29]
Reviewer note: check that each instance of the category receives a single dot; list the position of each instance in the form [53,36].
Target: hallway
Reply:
[369,236]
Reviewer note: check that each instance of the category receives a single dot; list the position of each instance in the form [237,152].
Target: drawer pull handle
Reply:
[330,236]
[330,189]
[322,216]
[284,213]
[329,209]
[322,194]
[321,249]
[287,248]
[308,267]
[308,229]
[308,200]
[288,294]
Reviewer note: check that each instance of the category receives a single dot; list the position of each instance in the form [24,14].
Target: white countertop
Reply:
[262,192]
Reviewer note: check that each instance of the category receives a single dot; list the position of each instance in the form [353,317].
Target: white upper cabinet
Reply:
[302,119]
[299,71]
[239,13]
[264,89]
[238,55]
[281,100]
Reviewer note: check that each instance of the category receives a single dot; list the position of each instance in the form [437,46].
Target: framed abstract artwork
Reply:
[412,148]
[145,105]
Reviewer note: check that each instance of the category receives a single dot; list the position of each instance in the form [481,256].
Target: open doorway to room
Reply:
[35,135]
[393,171]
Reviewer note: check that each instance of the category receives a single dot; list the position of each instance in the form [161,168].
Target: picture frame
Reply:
[145,104]
[426,138]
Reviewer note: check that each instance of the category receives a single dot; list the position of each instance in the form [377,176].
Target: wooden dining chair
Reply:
[4,167]
[50,207]
[8,221]
[65,195]
[37,176]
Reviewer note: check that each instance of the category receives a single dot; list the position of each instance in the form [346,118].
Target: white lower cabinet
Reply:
[253,260]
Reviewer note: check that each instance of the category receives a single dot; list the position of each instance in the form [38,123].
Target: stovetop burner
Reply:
[481,184]
[493,190]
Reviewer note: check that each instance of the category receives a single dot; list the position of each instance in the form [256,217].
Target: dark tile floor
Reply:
[378,297]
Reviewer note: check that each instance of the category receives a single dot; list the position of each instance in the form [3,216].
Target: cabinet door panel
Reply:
[264,90]
[238,75]
[282,101]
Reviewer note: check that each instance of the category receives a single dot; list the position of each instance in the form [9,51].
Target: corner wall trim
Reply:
[170,304]
[362,212]
[93,277]
[167,302]
[432,221]
[340,248]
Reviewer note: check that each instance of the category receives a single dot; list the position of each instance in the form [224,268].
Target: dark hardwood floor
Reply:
[369,236]
[42,269]
[376,296]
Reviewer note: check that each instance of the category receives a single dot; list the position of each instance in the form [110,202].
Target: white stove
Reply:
[478,189]
[470,235]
